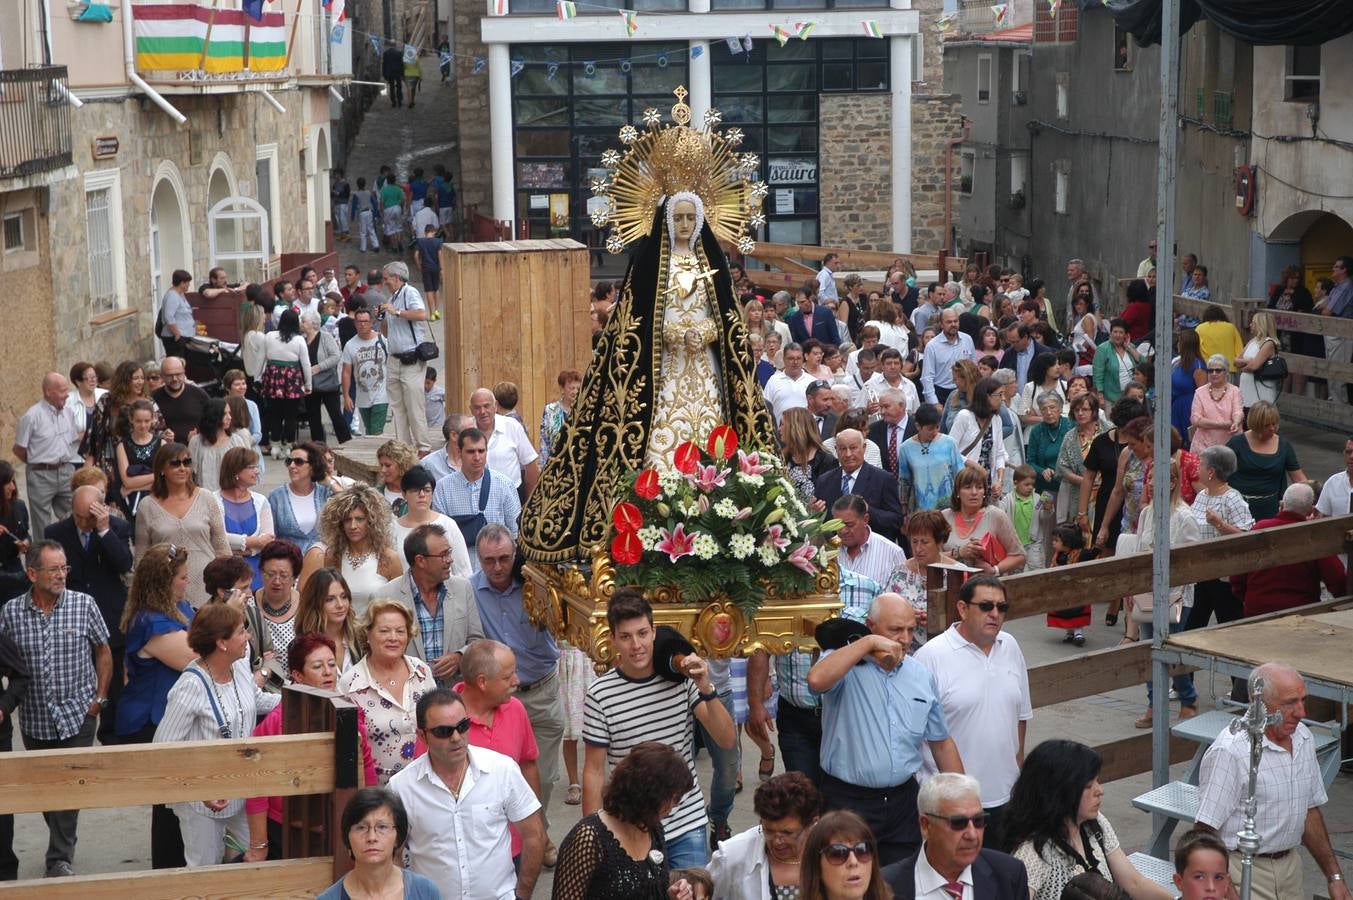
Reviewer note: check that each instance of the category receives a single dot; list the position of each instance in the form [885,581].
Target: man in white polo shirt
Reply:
[984,688]
[510,452]
[789,388]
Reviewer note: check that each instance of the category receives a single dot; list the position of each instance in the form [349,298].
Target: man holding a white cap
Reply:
[405,329]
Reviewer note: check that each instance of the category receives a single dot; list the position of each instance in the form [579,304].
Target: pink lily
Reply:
[775,537]
[702,505]
[675,543]
[743,514]
[750,463]
[803,557]
[707,478]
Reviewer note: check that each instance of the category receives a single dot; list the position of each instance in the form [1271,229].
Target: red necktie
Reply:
[892,449]
[954,889]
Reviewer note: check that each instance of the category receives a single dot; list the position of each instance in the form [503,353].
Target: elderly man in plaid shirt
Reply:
[64,644]
[799,714]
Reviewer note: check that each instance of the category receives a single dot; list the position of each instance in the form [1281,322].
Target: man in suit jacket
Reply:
[1021,350]
[813,320]
[820,405]
[952,858]
[879,489]
[895,425]
[443,604]
[98,551]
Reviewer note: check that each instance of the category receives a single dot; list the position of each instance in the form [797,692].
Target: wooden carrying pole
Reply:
[291,40]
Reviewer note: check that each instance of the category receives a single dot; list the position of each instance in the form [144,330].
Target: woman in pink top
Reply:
[312,661]
[1218,409]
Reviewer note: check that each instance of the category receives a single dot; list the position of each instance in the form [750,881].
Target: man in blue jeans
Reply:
[726,762]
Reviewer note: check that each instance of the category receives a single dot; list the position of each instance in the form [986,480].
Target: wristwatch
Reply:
[102,702]
[711,696]
[1337,876]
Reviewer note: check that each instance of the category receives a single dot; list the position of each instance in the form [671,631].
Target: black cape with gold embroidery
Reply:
[606,433]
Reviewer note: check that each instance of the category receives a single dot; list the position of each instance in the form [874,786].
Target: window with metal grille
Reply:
[1059,29]
[14,233]
[102,270]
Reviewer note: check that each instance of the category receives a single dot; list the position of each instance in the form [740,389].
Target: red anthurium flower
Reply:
[723,442]
[646,485]
[626,549]
[627,518]
[686,458]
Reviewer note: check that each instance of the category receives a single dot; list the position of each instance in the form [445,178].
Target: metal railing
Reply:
[34,121]
[976,16]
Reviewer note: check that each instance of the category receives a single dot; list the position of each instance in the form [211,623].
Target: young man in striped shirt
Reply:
[631,704]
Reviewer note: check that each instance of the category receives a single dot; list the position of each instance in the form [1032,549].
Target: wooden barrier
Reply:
[789,270]
[293,766]
[1101,671]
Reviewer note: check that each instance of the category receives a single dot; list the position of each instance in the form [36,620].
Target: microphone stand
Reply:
[1253,723]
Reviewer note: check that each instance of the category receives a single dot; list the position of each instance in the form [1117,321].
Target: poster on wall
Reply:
[788,170]
[559,212]
[540,202]
[784,201]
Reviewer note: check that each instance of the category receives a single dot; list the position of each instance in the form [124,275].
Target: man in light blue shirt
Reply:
[874,719]
[826,277]
[458,495]
[943,351]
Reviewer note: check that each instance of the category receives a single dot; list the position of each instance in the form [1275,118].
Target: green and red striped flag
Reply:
[565,9]
[631,21]
[781,34]
[174,36]
[871,28]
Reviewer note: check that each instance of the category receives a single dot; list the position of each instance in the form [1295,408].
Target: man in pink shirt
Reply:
[498,721]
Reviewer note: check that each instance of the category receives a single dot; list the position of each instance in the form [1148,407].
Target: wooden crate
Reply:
[514,311]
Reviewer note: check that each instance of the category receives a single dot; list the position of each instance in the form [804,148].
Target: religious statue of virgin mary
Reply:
[673,362]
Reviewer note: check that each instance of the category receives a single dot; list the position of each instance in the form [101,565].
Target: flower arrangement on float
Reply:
[719,522]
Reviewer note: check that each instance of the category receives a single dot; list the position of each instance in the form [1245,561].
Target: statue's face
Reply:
[683,220]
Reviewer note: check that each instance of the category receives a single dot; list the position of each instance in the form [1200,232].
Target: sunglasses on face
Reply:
[180,463]
[838,854]
[442,732]
[297,461]
[958,823]
[988,605]
[1217,371]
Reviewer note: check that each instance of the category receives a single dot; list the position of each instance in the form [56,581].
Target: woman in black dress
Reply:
[1102,460]
[619,853]
[14,537]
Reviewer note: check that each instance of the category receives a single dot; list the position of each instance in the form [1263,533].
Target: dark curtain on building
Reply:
[1253,21]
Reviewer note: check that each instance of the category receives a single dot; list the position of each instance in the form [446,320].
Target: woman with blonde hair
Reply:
[326,608]
[966,377]
[357,539]
[754,317]
[803,452]
[1262,347]
[395,458]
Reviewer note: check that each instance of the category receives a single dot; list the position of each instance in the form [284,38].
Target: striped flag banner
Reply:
[871,28]
[173,37]
[946,22]
[267,44]
[781,34]
[631,21]
[803,29]
[565,10]
[1054,7]
[998,11]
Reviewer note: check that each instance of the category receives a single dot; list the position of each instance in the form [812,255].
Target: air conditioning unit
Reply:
[1021,98]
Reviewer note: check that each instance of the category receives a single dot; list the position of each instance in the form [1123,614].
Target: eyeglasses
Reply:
[442,732]
[277,576]
[838,854]
[443,555]
[297,461]
[1217,371]
[420,491]
[988,605]
[180,463]
[383,829]
[54,570]
[958,823]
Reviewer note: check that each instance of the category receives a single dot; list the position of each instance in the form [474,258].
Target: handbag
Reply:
[1089,885]
[1273,369]
[470,524]
[423,351]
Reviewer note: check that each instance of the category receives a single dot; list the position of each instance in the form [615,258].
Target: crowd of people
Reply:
[978,424]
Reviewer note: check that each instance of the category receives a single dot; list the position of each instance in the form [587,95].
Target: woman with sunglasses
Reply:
[1056,827]
[387,684]
[618,852]
[418,485]
[1218,410]
[355,539]
[763,863]
[215,698]
[840,861]
[375,827]
[313,662]
[178,512]
[296,505]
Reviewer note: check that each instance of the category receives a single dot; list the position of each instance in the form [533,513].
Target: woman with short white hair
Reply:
[325,383]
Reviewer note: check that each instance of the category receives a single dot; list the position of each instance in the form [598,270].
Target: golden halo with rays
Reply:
[663,160]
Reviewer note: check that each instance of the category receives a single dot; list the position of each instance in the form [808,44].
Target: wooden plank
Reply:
[1130,756]
[1097,672]
[1324,413]
[1319,367]
[1310,323]
[291,878]
[856,259]
[135,775]
[1317,649]
[1050,589]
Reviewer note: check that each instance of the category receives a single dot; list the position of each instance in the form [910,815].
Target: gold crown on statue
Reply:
[663,160]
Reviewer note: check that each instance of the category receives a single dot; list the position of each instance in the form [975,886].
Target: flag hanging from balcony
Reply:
[781,34]
[803,29]
[998,12]
[871,28]
[337,9]
[267,44]
[174,37]
[1054,6]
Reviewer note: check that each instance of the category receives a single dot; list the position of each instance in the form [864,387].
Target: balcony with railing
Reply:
[978,17]
[35,134]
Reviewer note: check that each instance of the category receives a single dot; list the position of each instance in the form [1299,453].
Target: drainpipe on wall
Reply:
[272,101]
[47,56]
[949,180]
[129,59]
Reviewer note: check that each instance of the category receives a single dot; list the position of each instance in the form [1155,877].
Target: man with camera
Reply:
[411,347]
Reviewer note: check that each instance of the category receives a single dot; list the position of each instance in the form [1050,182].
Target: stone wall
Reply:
[855,174]
[473,166]
[28,322]
[934,120]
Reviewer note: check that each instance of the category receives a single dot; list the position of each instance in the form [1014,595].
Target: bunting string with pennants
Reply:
[999,12]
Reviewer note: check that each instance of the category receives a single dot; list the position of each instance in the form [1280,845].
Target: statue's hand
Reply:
[693,341]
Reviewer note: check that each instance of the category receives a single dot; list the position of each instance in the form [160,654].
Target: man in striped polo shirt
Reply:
[631,704]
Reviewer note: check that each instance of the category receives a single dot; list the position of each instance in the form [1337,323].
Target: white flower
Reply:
[726,508]
[689,508]
[791,528]
[753,480]
[781,499]
[741,545]
[669,481]
[705,546]
[769,555]
[649,536]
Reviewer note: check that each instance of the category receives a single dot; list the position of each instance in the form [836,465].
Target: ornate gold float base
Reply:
[564,599]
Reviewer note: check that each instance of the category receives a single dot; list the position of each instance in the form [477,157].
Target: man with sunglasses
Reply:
[983,685]
[879,710]
[952,861]
[460,800]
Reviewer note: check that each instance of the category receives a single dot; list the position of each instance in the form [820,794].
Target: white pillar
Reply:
[700,85]
[500,134]
[900,76]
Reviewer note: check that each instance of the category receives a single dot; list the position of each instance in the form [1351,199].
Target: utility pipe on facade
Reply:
[273,101]
[47,56]
[129,58]
[949,146]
